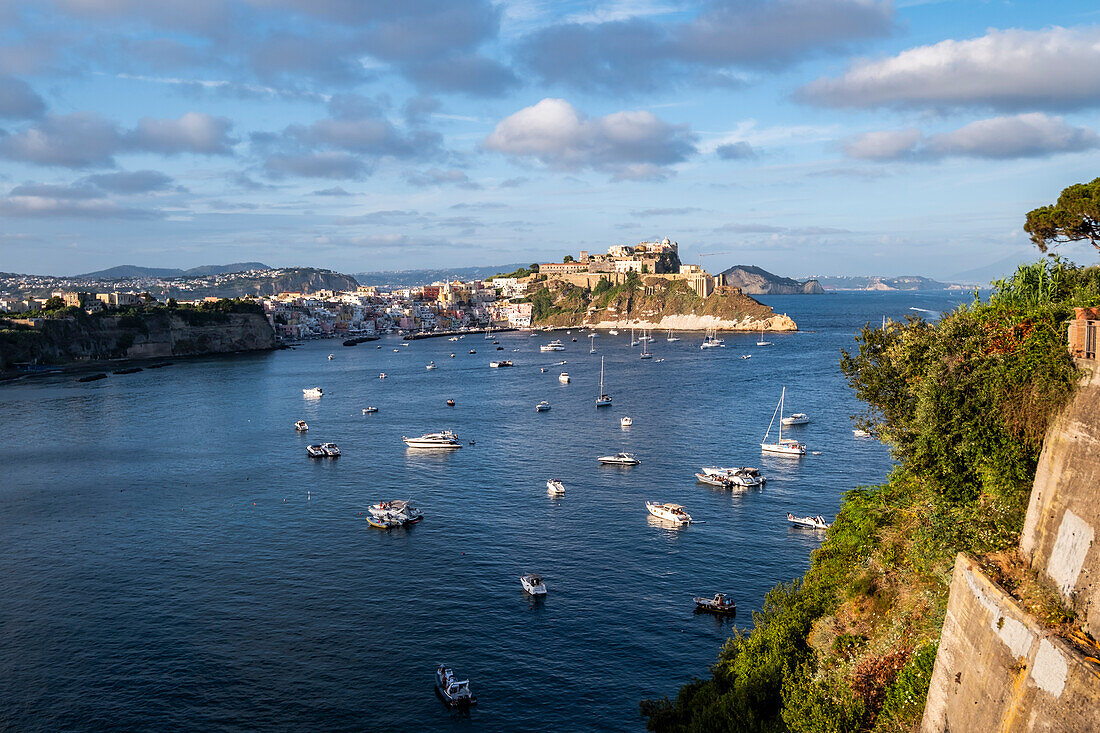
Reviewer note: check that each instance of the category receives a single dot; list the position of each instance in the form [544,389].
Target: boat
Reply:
[817,522]
[312,392]
[370,410]
[498,364]
[473,351]
[746,356]
[455,692]
[625,422]
[633,341]
[554,345]
[711,340]
[712,479]
[453,338]
[315,451]
[489,332]
[555,487]
[542,406]
[331,357]
[533,584]
[614,332]
[442,439]
[782,446]
[452,355]
[564,377]
[604,400]
[740,476]
[331,450]
[383,523]
[591,343]
[397,351]
[400,511]
[301,426]
[381,375]
[720,603]
[668,512]
[404,343]
[542,370]
[761,341]
[619,459]
[670,338]
[860,433]
[430,366]
[645,347]
[450,403]
[797,418]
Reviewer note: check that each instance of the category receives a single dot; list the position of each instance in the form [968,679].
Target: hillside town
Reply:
[499,301]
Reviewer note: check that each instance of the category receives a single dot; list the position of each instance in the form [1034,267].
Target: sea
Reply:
[172,560]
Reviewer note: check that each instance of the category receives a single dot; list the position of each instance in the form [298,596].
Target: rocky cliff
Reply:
[756,281]
[158,334]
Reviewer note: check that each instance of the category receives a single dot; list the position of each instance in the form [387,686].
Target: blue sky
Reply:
[804,136]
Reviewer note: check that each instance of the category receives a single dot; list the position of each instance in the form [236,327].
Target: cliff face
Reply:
[756,281]
[161,334]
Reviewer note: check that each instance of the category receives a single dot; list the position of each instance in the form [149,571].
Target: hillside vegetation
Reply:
[963,404]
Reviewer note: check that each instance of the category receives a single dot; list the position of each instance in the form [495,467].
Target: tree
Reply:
[533,267]
[53,303]
[1075,217]
[568,258]
[172,303]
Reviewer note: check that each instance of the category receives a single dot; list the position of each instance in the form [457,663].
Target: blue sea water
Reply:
[171,559]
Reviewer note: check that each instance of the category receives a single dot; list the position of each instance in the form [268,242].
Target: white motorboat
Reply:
[331,357]
[331,450]
[670,338]
[554,345]
[720,603]
[620,459]
[397,351]
[442,439]
[533,584]
[782,446]
[817,522]
[370,410]
[455,692]
[564,377]
[625,422]
[542,406]
[614,332]
[555,487]
[312,392]
[381,375]
[739,476]
[398,510]
[668,512]
[604,400]
[746,356]
[430,366]
[404,343]
[315,451]
[797,418]
[499,364]
[861,433]
[761,341]
[712,479]
[711,340]
[453,338]
[301,426]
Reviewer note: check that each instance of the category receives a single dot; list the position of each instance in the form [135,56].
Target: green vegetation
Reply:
[1073,218]
[521,272]
[964,404]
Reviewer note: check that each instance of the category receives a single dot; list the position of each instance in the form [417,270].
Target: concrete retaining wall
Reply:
[997,670]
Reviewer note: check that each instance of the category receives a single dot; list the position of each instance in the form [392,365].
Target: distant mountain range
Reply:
[410,278]
[878,282]
[131,271]
[757,281]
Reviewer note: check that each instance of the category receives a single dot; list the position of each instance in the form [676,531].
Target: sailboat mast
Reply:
[773,420]
[782,395]
[601,376]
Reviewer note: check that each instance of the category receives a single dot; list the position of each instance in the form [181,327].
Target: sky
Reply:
[808,137]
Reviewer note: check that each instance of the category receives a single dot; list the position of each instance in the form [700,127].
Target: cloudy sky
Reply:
[805,136]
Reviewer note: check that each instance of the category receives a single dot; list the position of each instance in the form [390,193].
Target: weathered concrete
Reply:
[998,670]
[1063,517]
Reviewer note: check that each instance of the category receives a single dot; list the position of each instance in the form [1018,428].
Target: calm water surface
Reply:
[172,560]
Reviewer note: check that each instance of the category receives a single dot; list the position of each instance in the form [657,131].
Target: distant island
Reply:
[878,282]
[756,281]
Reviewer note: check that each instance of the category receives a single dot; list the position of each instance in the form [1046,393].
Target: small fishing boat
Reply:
[370,410]
[455,693]
[798,418]
[555,487]
[668,512]
[533,584]
[301,426]
[817,522]
[542,406]
[626,422]
[331,450]
[619,459]
[720,603]
[312,392]
[450,403]
[315,451]
[564,377]
[442,439]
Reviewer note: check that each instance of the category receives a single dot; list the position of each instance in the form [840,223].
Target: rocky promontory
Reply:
[756,281]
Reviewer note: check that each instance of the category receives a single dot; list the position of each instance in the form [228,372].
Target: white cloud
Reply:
[1013,70]
[1019,136]
[633,145]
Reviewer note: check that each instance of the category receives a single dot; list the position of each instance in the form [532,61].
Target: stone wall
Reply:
[998,670]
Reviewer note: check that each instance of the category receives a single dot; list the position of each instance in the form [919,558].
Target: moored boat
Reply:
[626,422]
[498,364]
[555,487]
[797,418]
[397,510]
[668,512]
[370,410]
[782,446]
[533,584]
[604,400]
[450,403]
[564,377]
[312,392]
[315,451]
[442,439]
[542,406]
[301,426]
[817,522]
[555,345]
[620,459]
[455,692]
[331,450]
[720,603]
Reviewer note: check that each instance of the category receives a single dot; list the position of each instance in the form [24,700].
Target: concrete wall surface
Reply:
[1061,536]
[997,670]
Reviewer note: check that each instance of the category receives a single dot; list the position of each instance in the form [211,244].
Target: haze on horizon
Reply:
[803,136]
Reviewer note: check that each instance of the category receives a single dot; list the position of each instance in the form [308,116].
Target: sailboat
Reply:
[670,338]
[591,343]
[633,341]
[489,333]
[604,400]
[711,340]
[645,346]
[762,342]
[784,446]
